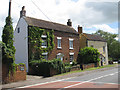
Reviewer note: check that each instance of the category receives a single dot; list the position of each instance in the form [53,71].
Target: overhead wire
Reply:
[41,11]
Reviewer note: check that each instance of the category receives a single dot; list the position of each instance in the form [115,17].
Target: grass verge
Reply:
[106,66]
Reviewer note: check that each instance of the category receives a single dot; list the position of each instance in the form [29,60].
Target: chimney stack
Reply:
[79,29]
[69,23]
[23,12]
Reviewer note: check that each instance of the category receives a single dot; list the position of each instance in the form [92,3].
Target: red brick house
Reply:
[66,39]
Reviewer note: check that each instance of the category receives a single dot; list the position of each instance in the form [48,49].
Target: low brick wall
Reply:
[19,75]
[74,68]
[86,66]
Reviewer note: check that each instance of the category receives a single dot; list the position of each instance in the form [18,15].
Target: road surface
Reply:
[107,80]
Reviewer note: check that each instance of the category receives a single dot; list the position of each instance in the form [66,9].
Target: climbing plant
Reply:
[36,41]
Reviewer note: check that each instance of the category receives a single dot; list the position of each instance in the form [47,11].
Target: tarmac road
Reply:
[103,80]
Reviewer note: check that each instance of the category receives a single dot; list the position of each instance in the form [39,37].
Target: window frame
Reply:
[59,42]
[71,40]
[45,54]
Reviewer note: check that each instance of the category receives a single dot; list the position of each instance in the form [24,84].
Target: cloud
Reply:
[83,12]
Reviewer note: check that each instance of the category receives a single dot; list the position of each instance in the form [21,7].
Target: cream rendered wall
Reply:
[21,43]
[99,45]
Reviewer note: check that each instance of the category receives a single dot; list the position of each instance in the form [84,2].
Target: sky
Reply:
[92,15]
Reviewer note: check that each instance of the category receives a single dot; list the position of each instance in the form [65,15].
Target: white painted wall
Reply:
[21,42]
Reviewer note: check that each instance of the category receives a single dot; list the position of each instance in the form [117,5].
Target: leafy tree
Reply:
[88,55]
[110,38]
[115,50]
[8,50]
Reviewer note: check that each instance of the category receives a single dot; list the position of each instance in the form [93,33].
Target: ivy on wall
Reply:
[35,42]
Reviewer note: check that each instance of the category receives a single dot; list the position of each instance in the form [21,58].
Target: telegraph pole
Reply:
[9,12]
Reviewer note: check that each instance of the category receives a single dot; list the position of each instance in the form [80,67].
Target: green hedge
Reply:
[42,67]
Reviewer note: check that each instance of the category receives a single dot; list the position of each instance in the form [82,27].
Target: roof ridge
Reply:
[49,21]
[49,24]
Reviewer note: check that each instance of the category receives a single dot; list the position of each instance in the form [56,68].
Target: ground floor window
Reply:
[45,56]
[60,56]
[71,57]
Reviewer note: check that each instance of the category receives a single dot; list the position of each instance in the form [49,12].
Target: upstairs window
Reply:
[70,43]
[44,42]
[18,30]
[59,42]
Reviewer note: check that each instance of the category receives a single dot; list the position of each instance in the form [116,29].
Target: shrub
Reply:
[42,67]
[88,55]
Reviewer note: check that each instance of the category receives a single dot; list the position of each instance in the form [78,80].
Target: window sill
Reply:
[59,47]
[44,46]
[71,48]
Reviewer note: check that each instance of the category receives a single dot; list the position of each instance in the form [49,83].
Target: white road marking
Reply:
[45,83]
[90,80]
[66,79]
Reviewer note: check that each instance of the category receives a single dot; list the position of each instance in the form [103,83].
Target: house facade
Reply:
[95,41]
[65,38]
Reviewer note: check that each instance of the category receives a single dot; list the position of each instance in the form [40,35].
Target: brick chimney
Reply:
[79,29]
[23,12]
[69,23]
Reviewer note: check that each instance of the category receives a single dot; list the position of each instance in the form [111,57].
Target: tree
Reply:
[109,37]
[115,50]
[8,50]
[88,55]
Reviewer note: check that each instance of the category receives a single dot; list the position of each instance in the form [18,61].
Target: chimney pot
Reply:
[69,23]
[23,12]
[79,29]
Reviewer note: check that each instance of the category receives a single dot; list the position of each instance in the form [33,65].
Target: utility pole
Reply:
[9,12]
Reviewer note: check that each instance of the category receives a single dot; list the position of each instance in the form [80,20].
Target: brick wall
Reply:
[65,46]
[14,77]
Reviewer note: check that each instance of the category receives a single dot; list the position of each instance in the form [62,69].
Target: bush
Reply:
[42,67]
[88,55]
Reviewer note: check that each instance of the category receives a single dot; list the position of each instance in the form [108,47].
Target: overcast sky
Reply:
[91,14]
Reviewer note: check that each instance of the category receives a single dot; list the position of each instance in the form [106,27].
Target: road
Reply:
[99,80]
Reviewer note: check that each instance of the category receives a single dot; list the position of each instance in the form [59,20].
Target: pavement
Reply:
[39,79]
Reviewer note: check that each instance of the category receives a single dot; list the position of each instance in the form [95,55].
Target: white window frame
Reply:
[60,55]
[70,39]
[44,37]
[46,53]
[59,47]
[71,54]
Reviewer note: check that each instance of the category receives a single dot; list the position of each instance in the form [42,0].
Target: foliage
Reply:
[35,39]
[42,67]
[110,38]
[8,50]
[74,63]
[115,50]
[88,55]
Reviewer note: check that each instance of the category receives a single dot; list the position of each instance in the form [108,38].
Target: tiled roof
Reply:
[94,37]
[49,25]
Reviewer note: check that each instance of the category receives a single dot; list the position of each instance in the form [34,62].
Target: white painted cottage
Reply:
[21,41]
[66,39]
